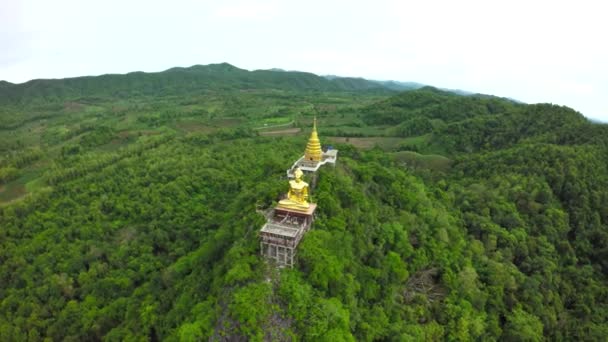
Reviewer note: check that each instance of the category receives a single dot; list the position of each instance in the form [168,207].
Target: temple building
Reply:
[314,156]
[294,215]
[289,221]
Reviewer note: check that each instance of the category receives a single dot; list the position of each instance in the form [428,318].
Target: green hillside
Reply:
[130,208]
[175,81]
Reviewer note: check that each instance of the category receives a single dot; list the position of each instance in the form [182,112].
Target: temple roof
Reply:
[313,150]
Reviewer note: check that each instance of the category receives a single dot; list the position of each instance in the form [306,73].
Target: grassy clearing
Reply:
[30,181]
[290,131]
[330,121]
[116,144]
[426,161]
[386,143]
[353,131]
[273,127]
[420,140]
[12,191]
[35,184]
[276,121]
[193,126]
[226,122]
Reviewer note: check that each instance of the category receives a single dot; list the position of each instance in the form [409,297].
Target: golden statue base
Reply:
[287,204]
[298,211]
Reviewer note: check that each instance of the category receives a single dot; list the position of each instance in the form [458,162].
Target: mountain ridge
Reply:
[194,78]
[177,80]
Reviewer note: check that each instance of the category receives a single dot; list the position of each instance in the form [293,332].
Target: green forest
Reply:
[130,210]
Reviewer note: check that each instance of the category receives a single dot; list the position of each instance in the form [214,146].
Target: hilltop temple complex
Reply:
[314,157]
[294,215]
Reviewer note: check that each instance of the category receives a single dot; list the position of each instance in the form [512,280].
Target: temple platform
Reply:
[282,233]
[328,157]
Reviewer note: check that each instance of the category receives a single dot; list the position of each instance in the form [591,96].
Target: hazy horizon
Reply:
[533,52]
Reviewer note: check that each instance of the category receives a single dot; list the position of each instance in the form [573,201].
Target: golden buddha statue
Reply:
[313,150]
[297,197]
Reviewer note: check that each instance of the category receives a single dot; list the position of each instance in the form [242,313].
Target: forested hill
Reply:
[480,122]
[447,217]
[176,81]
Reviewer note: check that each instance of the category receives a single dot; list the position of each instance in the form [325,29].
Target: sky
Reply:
[533,51]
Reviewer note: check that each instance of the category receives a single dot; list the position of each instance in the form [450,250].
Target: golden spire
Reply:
[313,147]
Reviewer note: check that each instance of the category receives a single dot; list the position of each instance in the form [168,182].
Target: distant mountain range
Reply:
[197,78]
[177,81]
